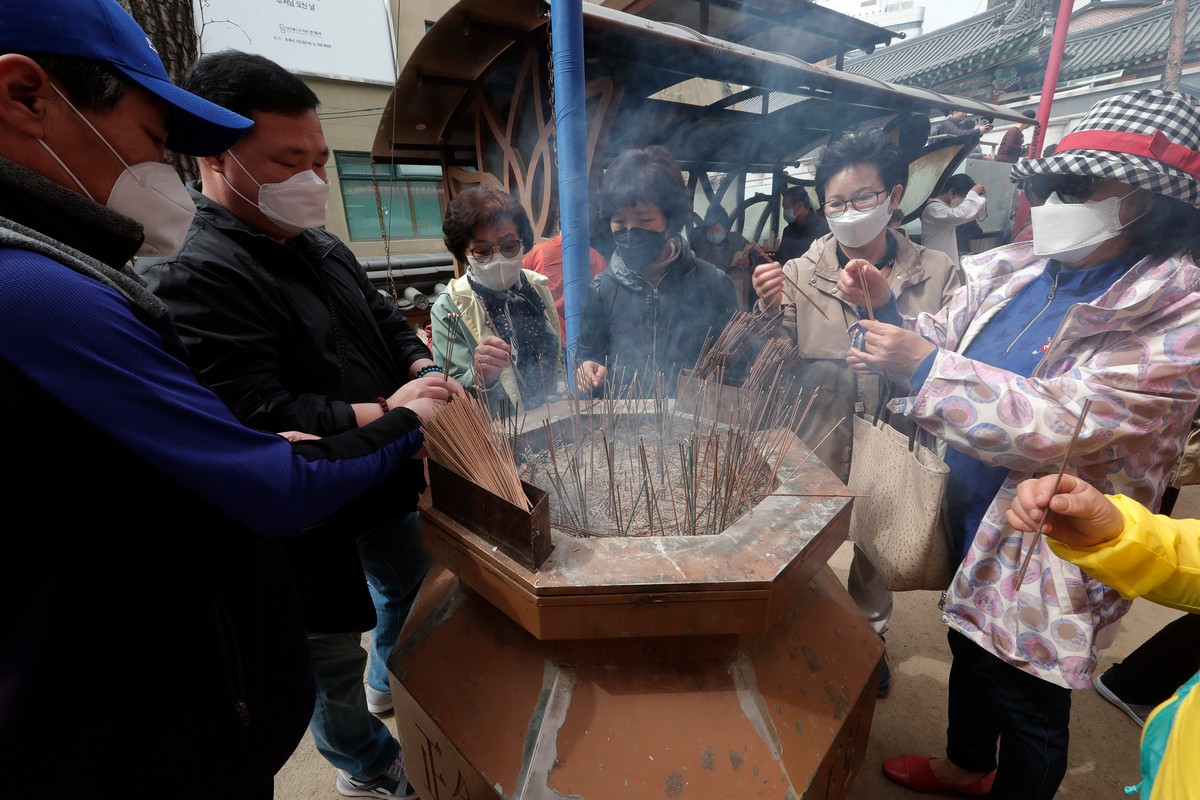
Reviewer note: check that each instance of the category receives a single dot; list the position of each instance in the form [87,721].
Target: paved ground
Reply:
[912,719]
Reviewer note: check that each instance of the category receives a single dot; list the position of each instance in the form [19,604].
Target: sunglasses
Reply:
[1071,188]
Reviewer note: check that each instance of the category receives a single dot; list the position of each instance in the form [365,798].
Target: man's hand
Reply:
[590,375]
[1083,516]
[768,285]
[979,189]
[426,408]
[434,386]
[492,356]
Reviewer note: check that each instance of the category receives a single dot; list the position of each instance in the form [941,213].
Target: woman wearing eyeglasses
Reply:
[497,322]
[860,179]
[1104,304]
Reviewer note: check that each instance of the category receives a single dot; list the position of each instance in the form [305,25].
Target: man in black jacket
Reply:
[151,641]
[286,326]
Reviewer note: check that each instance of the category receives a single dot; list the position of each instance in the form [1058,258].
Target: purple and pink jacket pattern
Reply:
[1135,351]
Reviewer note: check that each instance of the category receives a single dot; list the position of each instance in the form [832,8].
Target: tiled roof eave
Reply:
[985,59]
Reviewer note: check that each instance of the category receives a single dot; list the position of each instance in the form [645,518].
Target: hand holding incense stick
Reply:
[767,260]
[1037,535]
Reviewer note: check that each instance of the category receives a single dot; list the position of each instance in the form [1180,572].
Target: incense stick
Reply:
[804,294]
[1037,536]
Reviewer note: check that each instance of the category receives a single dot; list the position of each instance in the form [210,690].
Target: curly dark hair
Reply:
[1171,227]
[651,174]
[482,206]
[872,147]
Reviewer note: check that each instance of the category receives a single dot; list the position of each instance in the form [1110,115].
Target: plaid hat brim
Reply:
[1139,171]
[1149,138]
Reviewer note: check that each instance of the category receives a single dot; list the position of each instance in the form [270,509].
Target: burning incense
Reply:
[450,344]
[1037,535]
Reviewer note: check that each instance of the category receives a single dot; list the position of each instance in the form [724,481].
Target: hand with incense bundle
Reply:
[492,356]
[863,284]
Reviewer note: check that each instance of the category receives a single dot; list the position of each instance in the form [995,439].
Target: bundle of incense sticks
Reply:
[462,437]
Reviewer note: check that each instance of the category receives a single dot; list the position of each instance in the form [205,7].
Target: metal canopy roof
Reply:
[797,28]
[781,107]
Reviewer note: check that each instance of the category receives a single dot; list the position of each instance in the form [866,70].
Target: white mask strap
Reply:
[67,169]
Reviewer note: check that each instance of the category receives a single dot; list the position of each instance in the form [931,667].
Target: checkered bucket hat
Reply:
[1149,139]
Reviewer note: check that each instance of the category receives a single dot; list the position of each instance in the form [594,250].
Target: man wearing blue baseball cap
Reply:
[151,640]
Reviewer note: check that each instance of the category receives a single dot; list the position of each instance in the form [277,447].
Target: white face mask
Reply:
[855,228]
[295,205]
[499,274]
[1070,232]
[149,193]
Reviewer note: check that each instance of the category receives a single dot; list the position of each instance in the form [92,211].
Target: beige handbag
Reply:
[897,519]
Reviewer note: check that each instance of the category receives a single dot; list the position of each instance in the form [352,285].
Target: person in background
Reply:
[648,315]
[860,181]
[728,251]
[152,604]
[804,226]
[496,325]
[285,326]
[546,258]
[1104,305]
[1118,541]
[960,201]
[1012,144]
[957,124]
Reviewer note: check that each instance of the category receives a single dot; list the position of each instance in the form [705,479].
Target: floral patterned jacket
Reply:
[1136,351]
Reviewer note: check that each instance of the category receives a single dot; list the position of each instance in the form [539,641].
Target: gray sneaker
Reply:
[393,783]
[1137,713]
[378,702]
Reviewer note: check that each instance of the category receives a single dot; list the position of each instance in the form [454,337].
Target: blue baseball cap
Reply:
[100,30]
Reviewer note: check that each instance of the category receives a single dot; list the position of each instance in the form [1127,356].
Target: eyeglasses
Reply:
[1071,188]
[483,252]
[861,202]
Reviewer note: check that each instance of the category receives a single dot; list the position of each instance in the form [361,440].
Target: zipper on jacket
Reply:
[232,655]
[1036,317]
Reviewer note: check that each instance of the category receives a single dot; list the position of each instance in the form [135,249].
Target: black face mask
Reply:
[639,247]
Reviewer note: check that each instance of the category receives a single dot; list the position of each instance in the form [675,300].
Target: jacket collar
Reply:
[54,211]
[210,211]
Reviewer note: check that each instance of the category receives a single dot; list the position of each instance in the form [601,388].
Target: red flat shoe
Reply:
[914,772]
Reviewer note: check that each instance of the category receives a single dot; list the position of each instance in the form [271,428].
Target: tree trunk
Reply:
[1173,69]
[171,26]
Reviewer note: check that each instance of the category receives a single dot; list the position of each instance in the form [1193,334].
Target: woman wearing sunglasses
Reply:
[1103,305]
[497,323]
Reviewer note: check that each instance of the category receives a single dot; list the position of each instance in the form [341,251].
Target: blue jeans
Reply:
[992,701]
[343,730]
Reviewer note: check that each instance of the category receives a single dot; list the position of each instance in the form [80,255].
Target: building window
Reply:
[412,197]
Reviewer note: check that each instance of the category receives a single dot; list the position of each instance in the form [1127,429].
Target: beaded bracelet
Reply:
[428,369]
[383,404]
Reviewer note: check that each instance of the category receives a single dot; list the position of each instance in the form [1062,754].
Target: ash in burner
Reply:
[651,474]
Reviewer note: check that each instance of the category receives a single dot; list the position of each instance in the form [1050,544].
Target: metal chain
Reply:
[383,234]
[550,83]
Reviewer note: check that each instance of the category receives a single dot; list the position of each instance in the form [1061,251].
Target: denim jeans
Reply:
[343,730]
[992,701]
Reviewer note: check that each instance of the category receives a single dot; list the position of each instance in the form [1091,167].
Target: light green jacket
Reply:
[473,325]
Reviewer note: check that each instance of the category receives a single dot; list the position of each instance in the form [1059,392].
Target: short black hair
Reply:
[248,84]
[960,182]
[91,85]
[798,194]
[872,147]
[715,214]
[651,174]
[1029,113]
[481,205]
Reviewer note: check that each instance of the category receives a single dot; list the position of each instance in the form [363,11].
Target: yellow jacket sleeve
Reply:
[1155,557]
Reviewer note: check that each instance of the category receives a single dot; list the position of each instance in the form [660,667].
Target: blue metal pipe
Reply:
[570,104]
